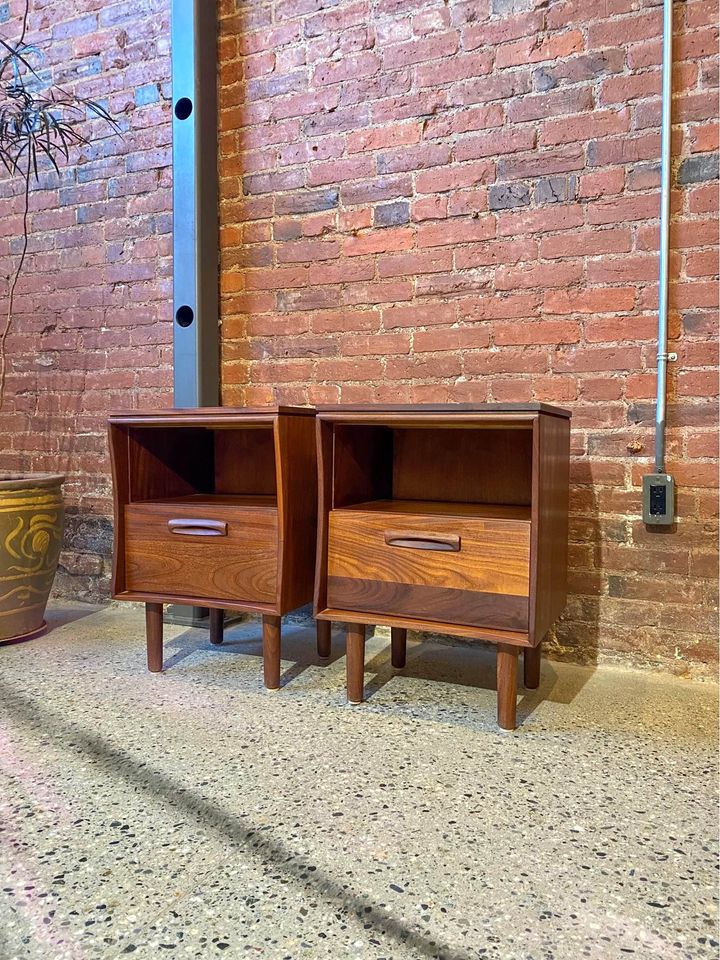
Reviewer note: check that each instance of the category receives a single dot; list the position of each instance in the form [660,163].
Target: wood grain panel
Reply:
[437,603]
[362,464]
[169,463]
[241,565]
[343,615]
[490,511]
[494,555]
[245,461]
[296,457]
[324,449]
[119,462]
[466,465]
[551,483]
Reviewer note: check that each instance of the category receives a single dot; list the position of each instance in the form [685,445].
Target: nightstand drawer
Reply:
[459,569]
[200,549]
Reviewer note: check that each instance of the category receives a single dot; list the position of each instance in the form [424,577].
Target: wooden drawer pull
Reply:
[198,528]
[422,541]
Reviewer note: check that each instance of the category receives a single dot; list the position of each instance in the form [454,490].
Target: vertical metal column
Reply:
[195,203]
[196,349]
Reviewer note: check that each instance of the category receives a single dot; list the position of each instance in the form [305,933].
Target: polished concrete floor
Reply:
[194,814]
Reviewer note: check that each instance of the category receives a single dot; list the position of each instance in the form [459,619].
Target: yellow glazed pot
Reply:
[31,532]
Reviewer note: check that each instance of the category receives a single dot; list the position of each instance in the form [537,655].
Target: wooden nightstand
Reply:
[448,518]
[216,508]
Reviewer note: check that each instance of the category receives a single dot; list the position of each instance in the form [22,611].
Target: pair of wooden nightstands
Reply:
[450,519]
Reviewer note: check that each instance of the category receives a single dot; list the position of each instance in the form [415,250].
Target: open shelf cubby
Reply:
[461,471]
[203,465]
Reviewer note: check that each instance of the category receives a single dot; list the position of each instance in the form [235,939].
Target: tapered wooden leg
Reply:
[355,662]
[398,646]
[271,652]
[154,636]
[324,638]
[217,623]
[507,664]
[531,666]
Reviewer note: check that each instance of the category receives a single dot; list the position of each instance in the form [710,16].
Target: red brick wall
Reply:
[93,322]
[429,200]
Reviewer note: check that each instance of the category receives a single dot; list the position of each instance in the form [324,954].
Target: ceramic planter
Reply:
[31,533]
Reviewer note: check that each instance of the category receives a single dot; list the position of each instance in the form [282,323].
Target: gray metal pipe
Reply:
[665,177]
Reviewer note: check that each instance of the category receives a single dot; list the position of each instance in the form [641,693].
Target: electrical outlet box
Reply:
[658,499]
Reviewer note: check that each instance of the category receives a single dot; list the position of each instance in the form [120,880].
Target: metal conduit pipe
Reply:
[665,176]
[659,487]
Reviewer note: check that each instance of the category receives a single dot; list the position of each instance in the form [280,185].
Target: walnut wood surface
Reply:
[355,662]
[494,555]
[438,603]
[240,566]
[296,466]
[507,664]
[245,461]
[463,465]
[551,482]
[531,667]
[154,636]
[511,637]
[324,437]
[324,638]
[271,652]
[448,410]
[164,465]
[220,416]
[398,647]
[493,511]
[217,625]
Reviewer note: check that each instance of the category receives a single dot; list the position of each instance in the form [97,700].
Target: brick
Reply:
[494,143]
[590,243]
[378,242]
[454,177]
[581,128]
[555,189]
[536,107]
[597,300]
[465,231]
[534,50]
[697,169]
[419,315]
[503,196]
[459,67]
[380,138]
[563,273]
[339,171]
[308,251]
[392,214]
[529,332]
[440,339]
[435,260]
[416,51]
[559,217]
[413,158]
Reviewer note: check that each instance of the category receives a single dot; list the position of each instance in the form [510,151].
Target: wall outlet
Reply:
[658,499]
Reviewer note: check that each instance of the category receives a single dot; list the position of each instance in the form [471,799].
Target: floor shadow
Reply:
[51,726]
[472,665]
[68,613]
[299,645]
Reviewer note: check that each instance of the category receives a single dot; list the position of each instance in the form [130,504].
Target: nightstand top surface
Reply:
[204,414]
[444,408]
